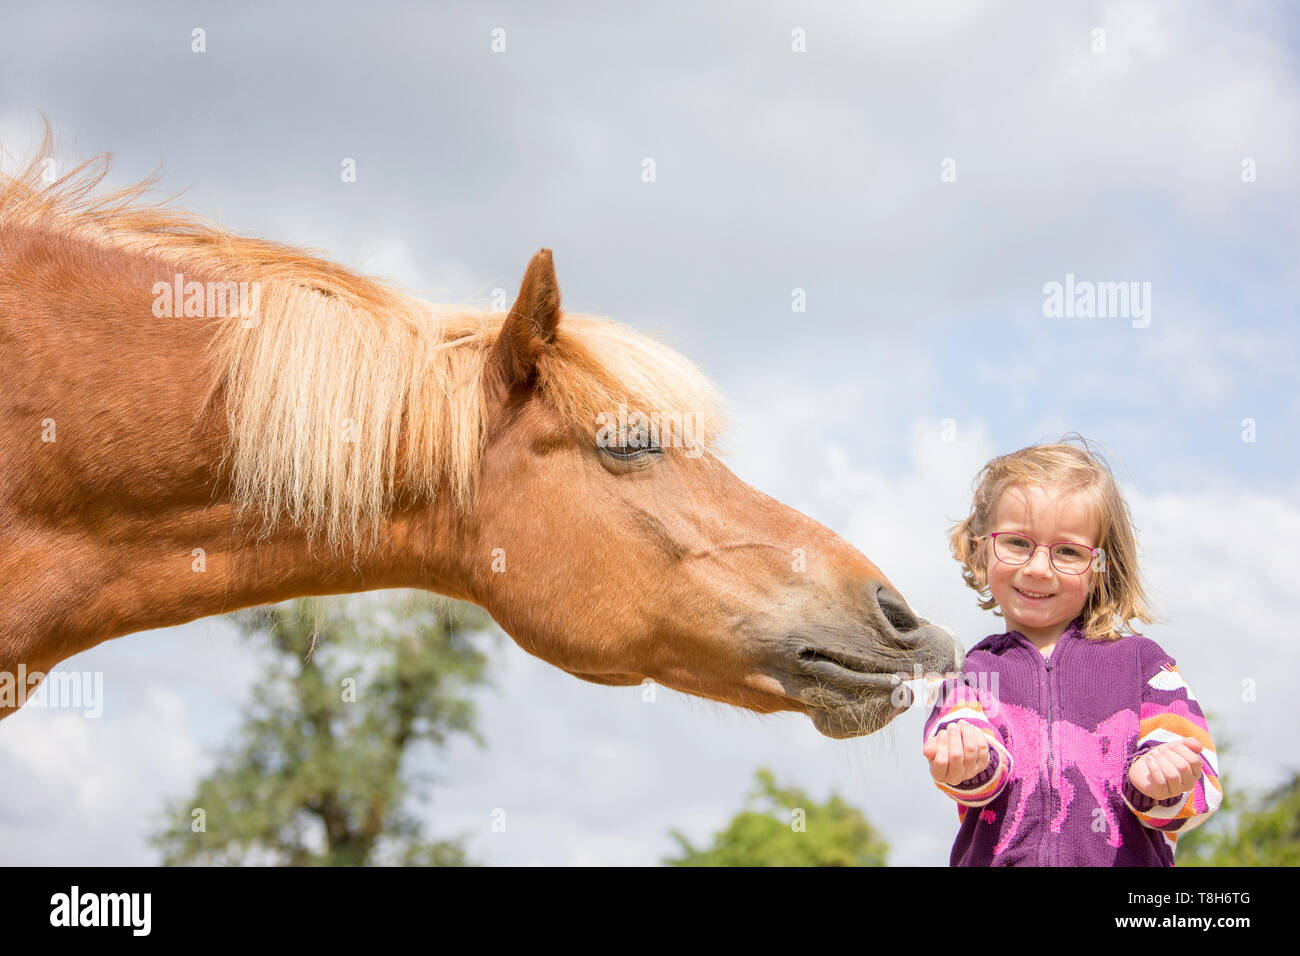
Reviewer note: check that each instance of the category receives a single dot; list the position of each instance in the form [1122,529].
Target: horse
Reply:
[195,421]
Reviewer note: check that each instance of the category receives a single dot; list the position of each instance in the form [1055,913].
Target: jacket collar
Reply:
[999,642]
[1072,630]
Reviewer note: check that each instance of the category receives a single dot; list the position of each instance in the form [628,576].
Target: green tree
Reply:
[1264,832]
[316,776]
[771,832]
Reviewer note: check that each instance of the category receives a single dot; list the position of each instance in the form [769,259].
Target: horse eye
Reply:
[623,453]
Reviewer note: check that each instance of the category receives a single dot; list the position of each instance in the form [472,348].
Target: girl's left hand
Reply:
[1168,770]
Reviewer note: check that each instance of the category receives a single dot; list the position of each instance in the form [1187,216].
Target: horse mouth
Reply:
[846,672]
[852,697]
[853,673]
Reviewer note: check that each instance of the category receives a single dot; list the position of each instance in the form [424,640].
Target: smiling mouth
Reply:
[1033,594]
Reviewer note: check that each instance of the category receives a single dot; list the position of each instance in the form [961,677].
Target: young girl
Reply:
[1065,742]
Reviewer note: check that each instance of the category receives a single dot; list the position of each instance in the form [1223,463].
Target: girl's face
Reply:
[1036,599]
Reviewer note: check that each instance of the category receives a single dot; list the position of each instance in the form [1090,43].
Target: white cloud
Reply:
[91,789]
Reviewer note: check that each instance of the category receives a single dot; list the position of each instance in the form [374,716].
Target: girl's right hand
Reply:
[957,752]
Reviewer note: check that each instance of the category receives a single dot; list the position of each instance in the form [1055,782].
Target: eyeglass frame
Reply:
[1093,552]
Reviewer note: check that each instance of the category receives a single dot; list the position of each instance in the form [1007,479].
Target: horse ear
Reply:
[529,327]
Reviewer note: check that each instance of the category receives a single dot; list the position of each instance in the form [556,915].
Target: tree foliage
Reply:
[1264,831]
[316,775]
[783,827]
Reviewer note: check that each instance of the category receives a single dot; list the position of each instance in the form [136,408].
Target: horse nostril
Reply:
[895,610]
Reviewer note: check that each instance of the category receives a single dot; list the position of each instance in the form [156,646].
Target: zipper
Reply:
[1048,816]
[1051,789]
[1048,845]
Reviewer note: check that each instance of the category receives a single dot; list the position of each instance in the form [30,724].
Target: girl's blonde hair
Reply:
[1116,595]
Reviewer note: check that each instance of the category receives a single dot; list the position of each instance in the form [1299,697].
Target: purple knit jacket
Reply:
[1063,732]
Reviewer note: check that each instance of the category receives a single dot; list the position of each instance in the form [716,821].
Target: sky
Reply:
[921,171]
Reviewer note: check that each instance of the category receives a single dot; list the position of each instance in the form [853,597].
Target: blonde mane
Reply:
[340,391]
